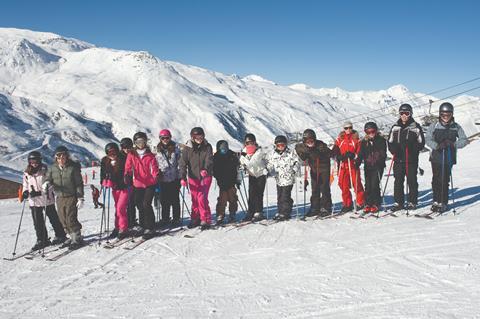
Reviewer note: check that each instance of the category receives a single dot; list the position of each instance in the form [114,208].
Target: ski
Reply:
[39,253]
[427,215]
[15,257]
[141,240]
[117,242]
[360,216]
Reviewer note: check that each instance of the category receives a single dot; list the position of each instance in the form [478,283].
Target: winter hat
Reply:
[165,133]
[35,156]
[347,123]
[250,149]
[308,134]
[61,149]
[280,139]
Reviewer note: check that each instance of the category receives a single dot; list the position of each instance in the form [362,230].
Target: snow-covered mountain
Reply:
[56,90]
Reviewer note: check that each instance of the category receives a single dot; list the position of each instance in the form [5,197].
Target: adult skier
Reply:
[443,138]
[405,142]
[126,145]
[33,178]
[316,155]
[196,162]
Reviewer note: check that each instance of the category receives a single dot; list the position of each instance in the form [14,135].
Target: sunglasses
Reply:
[164,137]
[348,128]
[140,141]
[371,131]
[405,113]
[60,155]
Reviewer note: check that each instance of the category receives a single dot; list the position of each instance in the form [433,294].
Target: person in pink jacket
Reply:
[32,189]
[141,168]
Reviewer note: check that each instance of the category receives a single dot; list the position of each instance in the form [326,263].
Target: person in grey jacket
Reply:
[253,161]
[284,164]
[66,178]
[443,138]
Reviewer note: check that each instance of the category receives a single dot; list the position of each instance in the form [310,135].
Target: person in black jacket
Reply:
[443,138]
[405,142]
[225,171]
[317,155]
[373,152]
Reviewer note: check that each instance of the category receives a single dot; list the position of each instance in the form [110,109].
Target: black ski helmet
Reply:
[308,134]
[405,108]
[111,146]
[222,144]
[280,139]
[445,107]
[126,142]
[61,149]
[370,125]
[139,135]
[249,137]
[197,131]
[35,156]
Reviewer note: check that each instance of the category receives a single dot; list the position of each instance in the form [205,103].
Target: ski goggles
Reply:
[281,145]
[165,137]
[407,113]
[371,131]
[60,155]
[140,142]
[446,114]
[348,128]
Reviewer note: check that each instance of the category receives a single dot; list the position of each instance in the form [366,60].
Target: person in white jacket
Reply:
[253,161]
[284,164]
[33,178]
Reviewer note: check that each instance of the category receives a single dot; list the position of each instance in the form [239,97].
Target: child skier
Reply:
[284,164]
[32,189]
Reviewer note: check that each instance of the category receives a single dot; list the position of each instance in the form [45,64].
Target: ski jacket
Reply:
[373,153]
[438,132]
[317,157]
[66,181]
[168,164]
[284,166]
[195,158]
[144,169]
[225,169]
[113,171]
[406,136]
[254,164]
[346,143]
[34,182]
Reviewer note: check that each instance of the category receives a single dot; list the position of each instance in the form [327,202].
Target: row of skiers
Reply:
[133,173]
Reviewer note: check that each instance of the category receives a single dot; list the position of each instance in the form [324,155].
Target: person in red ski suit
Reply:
[347,146]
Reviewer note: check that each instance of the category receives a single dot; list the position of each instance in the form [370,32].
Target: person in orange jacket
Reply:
[347,146]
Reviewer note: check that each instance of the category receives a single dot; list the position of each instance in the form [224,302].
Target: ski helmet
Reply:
[35,156]
[445,108]
[370,125]
[165,133]
[111,146]
[222,144]
[405,108]
[308,134]
[197,131]
[61,150]
[126,142]
[280,139]
[139,135]
[249,137]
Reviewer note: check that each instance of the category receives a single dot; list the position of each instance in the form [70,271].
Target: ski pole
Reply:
[296,197]
[305,181]
[386,182]
[243,200]
[406,175]
[351,182]
[103,215]
[107,226]
[18,230]
[245,188]
[380,184]
[185,203]
[450,165]
[443,179]
[266,186]
[44,230]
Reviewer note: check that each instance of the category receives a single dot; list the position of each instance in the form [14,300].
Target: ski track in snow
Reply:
[335,268]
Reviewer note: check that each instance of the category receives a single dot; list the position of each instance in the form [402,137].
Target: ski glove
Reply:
[45,186]
[25,195]
[203,173]
[183,183]
[80,202]
[127,179]
[445,144]
[350,155]
[305,186]
[35,194]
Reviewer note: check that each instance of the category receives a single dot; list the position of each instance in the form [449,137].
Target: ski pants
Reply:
[68,213]
[344,175]
[39,222]
[372,186]
[169,197]
[399,172]
[284,200]
[321,195]
[227,196]
[120,196]
[440,182]
[131,212]
[199,189]
[256,188]
[143,202]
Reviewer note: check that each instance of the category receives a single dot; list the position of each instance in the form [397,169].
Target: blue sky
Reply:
[426,45]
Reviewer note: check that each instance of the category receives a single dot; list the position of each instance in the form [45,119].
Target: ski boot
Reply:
[396,207]
[258,217]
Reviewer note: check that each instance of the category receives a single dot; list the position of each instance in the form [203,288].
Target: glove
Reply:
[35,194]
[445,144]
[80,202]
[349,155]
[238,184]
[203,173]
[357,163]
[305,186]
[45,186]
[340,157]
[183,183]
[25,195]
[127,179]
